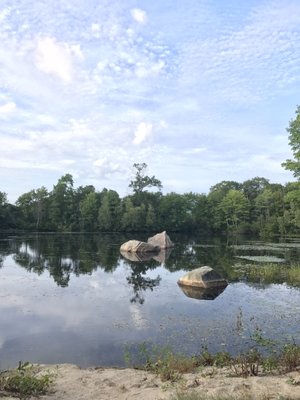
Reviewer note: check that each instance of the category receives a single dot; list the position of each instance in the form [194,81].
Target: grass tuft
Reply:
[24,381]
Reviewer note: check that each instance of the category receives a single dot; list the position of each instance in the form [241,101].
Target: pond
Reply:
[76,299]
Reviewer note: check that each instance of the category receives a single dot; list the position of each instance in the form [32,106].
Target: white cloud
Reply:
[143,131]
[139,15]
[95,28]
[196,150]
[4,13]
[105,167]
[56,58]
[7,108]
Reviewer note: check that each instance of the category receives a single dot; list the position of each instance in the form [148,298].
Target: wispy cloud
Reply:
[56,58]
[7,108]
[139,15]
[143,131]
[93,88]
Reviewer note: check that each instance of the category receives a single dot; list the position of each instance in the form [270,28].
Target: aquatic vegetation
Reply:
[262,247]
[269,273]
[271,259]
[272,246]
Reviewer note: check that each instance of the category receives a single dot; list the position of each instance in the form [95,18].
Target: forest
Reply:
[254,206]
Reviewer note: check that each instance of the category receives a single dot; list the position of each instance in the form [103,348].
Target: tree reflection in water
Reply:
[66,255]
[139,264]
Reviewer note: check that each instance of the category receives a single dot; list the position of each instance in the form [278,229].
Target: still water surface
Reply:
[76,299]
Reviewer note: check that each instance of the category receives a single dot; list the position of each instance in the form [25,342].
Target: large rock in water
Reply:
[162,240]
[204,277]
[135,246]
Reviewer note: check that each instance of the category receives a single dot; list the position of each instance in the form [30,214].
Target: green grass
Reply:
[24,381]
[170,366]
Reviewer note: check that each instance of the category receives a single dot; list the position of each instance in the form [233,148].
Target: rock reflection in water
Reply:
[202,293]
[160,257]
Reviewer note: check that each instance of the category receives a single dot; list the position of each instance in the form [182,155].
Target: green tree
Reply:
[3,204]
[253,187]
[41,196]
[141,181]
[235,209]
[215,196]
[134,217]
[62,210]
[89,206]
[33,207]
[110,212]
[292,209]
[3,199]
[294,141]
[173,213]
[201,214]
[270,209]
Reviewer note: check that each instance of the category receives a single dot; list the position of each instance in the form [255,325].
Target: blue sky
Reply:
[202,91]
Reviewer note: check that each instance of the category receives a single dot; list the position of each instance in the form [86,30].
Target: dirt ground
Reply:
[73,383]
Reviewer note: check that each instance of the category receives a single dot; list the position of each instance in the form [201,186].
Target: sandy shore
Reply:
[73,383]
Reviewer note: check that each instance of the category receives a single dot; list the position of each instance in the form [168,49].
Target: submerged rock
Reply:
[160,256]
[203,277]
[136,257]
[200,293]
[163,255]
[136,246]
[162,240]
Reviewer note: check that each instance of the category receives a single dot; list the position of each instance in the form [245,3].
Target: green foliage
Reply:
[290,357]
[110,212]
[88,212]
[270,273]
[219,359]
[170,366]
[294,141]
[234,209]
[254,206]
[25,381]
[162,361]
[142,181]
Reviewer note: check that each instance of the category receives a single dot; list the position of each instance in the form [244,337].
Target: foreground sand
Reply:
[73,383]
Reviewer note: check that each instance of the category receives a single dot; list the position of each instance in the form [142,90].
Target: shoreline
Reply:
[70,382]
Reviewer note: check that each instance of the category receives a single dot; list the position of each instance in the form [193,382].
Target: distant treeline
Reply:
[254,206]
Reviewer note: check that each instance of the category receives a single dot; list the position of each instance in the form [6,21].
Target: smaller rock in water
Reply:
[136,246]
[203,277]
[162,240]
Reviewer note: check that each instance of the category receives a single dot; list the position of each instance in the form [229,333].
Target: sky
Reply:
[200,90]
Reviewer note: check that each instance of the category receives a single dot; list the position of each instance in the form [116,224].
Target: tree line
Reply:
[253,206]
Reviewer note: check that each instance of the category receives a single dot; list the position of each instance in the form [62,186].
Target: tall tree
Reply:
[61,204]
[294,141]
[215,196]
[235,209]
[110,211]
[141,181]
[88,212]
[3,204]
[253,187]
[33,206]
